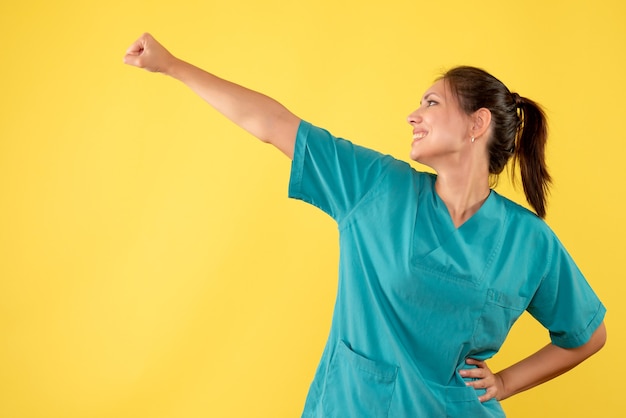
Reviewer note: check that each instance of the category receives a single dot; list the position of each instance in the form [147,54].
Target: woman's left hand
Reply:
[487,380]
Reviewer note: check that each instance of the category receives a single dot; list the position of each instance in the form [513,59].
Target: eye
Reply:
[430,103]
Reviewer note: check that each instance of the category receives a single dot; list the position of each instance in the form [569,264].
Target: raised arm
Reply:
[258,114]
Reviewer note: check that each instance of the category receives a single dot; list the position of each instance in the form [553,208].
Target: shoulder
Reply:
[522,217]
[524,225]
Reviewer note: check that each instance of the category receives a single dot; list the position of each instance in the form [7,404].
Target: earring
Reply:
[473,139]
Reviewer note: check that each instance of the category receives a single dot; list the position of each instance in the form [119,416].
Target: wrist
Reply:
[501,394]
[174,68]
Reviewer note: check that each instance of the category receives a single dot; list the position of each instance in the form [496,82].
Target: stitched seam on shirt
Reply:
[575,339]
[341,223]
[497,248]
[295,182]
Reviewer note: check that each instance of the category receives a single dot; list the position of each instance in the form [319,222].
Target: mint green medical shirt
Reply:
[417,296]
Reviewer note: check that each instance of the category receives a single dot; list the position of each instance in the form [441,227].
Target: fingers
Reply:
[490,393]
[132,57]
[147,53]
[137,47]
[133,53]
[135,50]
[476,362]
[479,372]
[484,379]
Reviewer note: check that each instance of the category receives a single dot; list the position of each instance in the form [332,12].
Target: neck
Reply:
[463,192]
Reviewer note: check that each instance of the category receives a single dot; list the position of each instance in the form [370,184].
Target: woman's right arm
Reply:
[258,114]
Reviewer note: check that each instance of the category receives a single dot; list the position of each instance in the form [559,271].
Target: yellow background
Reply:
[151,264]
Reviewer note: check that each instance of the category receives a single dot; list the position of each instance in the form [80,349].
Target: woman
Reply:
[434,269]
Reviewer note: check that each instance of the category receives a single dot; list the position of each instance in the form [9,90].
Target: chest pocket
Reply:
[357,386]
[500,312]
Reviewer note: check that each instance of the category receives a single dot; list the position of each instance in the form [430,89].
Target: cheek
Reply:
[453,127]
[461,122]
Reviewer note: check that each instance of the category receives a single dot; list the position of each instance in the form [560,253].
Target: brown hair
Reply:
[519,129]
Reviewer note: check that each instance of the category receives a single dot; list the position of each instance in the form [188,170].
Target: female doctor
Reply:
[434,269]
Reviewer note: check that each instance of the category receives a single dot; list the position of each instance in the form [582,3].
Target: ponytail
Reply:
[529,153]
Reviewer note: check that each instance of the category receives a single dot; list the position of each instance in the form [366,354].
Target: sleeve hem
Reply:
[297,163]
[583,336]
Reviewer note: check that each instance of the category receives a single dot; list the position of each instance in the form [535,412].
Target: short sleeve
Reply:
[565,303]
[333,173]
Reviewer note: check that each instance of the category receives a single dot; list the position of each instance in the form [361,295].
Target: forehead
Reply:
[440,88]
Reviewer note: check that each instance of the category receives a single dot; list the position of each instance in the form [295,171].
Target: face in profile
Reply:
[441,130]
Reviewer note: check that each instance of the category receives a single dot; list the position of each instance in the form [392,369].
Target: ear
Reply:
[481,121]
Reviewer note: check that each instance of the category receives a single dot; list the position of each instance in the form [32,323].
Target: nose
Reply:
[414,117]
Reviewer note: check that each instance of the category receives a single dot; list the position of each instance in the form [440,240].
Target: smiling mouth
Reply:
[419,135]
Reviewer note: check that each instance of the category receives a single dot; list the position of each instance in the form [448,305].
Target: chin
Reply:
[420,158]
[417,156]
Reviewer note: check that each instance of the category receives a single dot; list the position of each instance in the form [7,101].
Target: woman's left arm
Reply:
[547,363]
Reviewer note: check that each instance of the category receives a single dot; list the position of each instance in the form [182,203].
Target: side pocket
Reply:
[500,312]
[357,386]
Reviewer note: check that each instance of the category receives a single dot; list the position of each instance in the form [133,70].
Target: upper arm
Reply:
[565,303]
[333,173]
[283,133]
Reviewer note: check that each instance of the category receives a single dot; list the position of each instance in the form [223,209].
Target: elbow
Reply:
[597,340]
[601,337]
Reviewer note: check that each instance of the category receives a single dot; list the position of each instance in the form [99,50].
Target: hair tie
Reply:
[517,99]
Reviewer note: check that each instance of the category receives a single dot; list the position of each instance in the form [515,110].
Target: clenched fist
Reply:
[147,53]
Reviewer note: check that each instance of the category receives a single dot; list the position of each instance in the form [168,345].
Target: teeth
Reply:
[419,135]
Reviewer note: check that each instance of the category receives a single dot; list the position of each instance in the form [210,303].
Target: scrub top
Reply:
[416,295]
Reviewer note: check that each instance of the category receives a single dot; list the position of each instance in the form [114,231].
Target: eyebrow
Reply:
[432,93]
